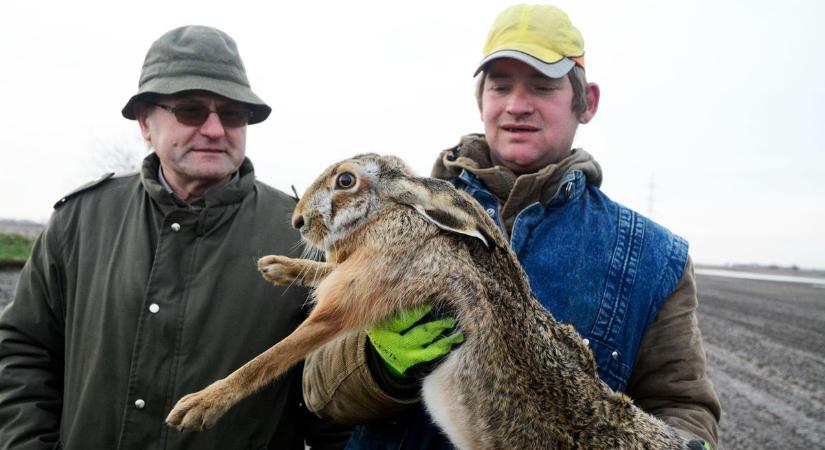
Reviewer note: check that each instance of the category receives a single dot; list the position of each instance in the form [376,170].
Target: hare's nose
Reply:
[298,222]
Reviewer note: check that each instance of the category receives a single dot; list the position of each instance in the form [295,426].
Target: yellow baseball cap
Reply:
[538,35]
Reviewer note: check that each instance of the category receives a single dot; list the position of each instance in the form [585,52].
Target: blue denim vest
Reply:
[592,263]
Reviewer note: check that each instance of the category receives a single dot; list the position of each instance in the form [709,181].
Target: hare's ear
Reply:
[443,205]
[450,222]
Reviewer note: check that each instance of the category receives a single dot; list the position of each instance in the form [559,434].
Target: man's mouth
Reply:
[209,150]
[518,128]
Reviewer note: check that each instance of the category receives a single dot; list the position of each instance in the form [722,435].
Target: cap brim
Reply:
[556,69]
[224,88]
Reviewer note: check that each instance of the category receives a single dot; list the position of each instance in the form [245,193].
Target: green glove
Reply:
[698,444]
[402,344]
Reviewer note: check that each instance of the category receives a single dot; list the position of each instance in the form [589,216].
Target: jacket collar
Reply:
[234,192]
[516,192]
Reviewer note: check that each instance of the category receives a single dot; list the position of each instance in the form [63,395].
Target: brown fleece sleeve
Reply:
[669,379]
[340,386]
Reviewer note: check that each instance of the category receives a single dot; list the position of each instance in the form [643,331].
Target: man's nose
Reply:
[213,126]
[519,102]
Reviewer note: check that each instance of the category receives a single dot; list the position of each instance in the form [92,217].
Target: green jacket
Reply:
[130,301]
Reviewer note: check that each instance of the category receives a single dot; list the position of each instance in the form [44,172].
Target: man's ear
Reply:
[593,94]
[142,116]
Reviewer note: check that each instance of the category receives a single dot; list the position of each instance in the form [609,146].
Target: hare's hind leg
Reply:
[282,271]
[339,307]
[200,410]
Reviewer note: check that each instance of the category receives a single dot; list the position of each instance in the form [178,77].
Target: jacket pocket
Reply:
[610,364]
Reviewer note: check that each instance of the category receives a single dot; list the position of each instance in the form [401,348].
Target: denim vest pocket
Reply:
[611,366]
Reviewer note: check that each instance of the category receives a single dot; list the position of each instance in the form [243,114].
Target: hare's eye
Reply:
[345,181]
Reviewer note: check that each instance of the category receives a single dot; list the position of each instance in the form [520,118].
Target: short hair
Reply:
[577,78]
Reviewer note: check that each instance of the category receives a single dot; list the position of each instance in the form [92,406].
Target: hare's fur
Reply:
[393,241]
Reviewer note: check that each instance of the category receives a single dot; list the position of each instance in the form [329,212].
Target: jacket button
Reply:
[154,308]
[139,403]
[586,341]
[491,212]
[615,355]
[175,227]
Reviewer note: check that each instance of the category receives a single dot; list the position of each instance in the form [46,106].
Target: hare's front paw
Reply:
[199,411]
[280,270]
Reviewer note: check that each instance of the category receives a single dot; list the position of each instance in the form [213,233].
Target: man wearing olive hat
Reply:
[625,282]
[143,286]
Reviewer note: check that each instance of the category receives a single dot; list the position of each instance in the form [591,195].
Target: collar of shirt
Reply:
[196,202]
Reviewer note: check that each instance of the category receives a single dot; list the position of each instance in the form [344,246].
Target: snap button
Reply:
[154,308]
[615,355]
[140,404]
[491,212]
[586,341]
[175,227]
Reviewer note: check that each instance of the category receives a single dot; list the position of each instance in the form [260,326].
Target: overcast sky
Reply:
[710,121]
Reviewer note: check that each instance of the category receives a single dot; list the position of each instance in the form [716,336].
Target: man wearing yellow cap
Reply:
[625,282]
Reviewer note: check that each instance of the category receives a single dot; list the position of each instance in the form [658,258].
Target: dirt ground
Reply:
[765,343]
[766,356]
[8,282]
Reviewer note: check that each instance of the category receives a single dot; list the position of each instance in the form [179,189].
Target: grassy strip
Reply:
[15,249]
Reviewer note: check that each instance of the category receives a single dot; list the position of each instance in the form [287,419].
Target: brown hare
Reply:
[394,241]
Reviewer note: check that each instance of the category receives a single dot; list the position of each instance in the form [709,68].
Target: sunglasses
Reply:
[232,115]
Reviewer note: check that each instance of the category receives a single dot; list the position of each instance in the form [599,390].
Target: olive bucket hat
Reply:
[196,58]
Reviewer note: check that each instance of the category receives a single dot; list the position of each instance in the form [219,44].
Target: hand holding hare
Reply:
[394,242]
